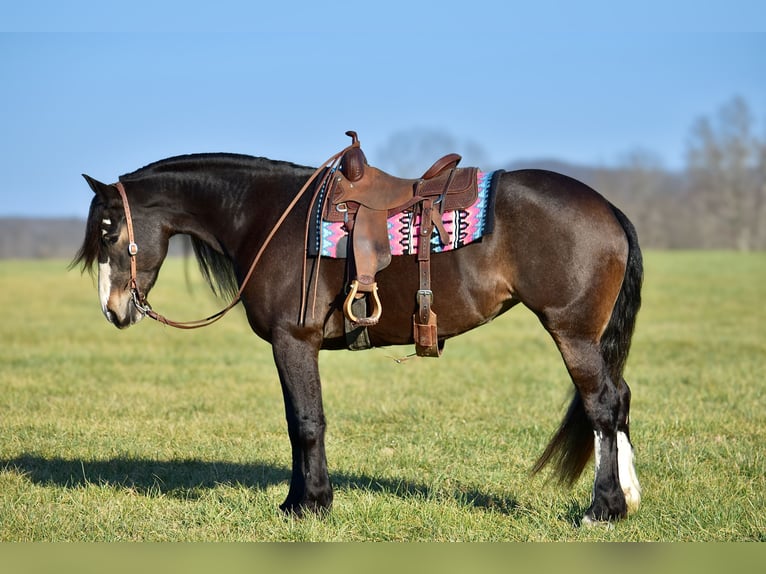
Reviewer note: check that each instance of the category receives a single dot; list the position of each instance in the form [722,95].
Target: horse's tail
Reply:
[572,446]
[615,342]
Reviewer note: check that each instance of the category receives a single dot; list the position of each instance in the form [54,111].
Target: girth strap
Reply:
[424,320]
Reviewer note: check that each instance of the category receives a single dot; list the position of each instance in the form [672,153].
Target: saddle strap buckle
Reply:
[377,308]
[424,293]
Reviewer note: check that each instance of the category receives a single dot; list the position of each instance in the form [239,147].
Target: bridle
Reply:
[139,300]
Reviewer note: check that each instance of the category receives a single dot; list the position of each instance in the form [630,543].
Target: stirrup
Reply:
[377,309]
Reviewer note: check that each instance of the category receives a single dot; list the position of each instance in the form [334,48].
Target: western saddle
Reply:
[364,197]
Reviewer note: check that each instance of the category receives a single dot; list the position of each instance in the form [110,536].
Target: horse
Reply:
[558,247]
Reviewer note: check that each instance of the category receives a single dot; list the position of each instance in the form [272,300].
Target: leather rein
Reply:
[139,300]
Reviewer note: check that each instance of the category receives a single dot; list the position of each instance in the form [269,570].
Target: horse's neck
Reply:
[202,212]
[222,213]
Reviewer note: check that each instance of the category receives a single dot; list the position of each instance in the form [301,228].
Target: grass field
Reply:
[156,434]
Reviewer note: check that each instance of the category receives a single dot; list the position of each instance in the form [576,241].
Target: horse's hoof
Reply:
[301,509]
[293,510]
[590,522]
[632,498]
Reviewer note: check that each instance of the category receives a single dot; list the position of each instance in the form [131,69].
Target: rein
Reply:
[139,300]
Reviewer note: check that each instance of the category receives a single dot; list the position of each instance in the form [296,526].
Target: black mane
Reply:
[87,255]
[198,162]
[216,267]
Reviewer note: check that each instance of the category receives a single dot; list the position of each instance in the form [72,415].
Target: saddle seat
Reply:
[452,188]
[364,197]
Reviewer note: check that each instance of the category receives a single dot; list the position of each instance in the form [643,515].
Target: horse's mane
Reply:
[199,162]
[217,268]
[87,254]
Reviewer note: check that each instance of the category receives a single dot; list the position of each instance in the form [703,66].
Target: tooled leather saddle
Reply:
[364,197]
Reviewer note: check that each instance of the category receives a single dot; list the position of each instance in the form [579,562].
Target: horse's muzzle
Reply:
[124,320]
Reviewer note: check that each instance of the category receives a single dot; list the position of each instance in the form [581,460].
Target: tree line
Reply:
[717,201]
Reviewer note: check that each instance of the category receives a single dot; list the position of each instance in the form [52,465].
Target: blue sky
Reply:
[85,87]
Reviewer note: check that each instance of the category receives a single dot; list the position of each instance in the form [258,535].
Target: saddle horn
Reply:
[354,160]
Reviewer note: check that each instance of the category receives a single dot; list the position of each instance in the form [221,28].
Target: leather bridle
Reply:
[139,300]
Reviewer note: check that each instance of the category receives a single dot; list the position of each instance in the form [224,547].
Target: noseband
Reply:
[139,301]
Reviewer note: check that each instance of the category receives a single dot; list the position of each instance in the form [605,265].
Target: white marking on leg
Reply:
[597,449]
[627,472]
[105,287]
[597,438]
[587,521]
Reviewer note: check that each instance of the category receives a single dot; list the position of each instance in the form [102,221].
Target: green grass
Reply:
[158,434]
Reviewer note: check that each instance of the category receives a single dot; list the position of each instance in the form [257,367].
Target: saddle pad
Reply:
[464,226]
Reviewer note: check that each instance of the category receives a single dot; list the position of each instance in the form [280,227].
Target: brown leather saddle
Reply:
[364,197]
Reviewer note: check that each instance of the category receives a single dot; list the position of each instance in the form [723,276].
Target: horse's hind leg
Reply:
[597,421]
[600,403]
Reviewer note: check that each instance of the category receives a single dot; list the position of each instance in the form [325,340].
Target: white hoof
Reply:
[632,498]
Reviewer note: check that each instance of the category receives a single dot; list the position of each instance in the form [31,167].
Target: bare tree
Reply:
[643,189]
[759,211]
[725,171]
[409,153]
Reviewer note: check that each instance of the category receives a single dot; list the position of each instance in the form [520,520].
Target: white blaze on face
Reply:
[105,278]
[105,287]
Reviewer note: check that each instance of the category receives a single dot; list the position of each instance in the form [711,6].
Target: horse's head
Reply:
[107,244]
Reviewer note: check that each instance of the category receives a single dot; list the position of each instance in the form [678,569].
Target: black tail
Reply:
[572,446]
[615,342]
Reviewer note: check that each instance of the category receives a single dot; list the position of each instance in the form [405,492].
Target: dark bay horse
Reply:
[558,247]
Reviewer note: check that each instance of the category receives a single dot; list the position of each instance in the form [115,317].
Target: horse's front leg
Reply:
[297,363]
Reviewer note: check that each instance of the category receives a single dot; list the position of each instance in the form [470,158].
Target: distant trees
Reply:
[726,178]
[409,153]
[718,201]
[649,195]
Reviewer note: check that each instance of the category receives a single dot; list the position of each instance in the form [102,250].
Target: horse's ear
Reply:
[100,189]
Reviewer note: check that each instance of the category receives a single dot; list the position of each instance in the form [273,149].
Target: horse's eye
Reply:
[110,238]
[109,232]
